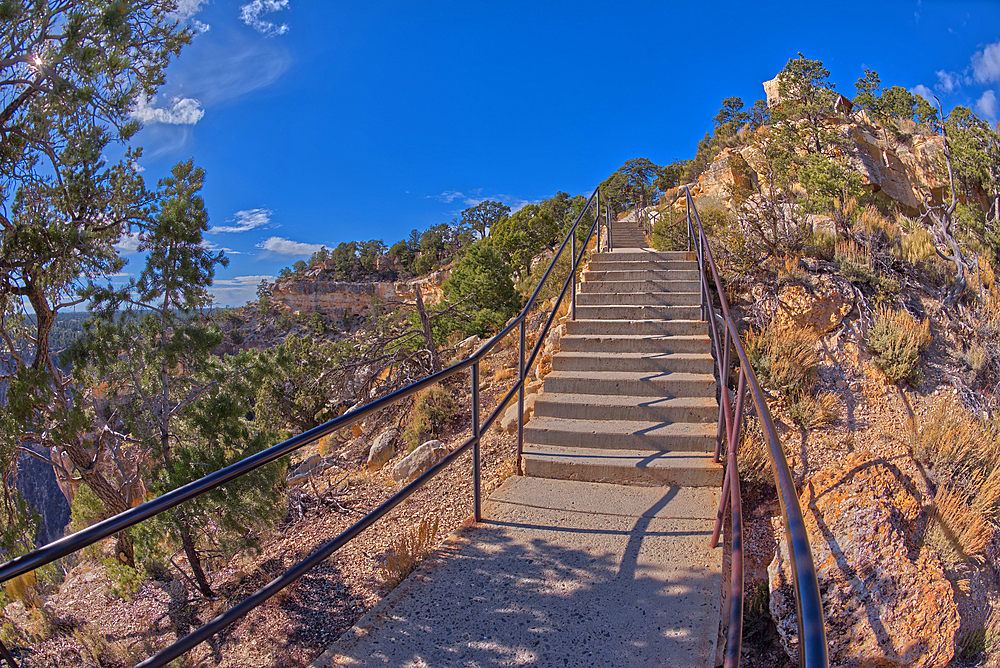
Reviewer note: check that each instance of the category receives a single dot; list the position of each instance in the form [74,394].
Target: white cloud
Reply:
[250,14]
[948,82]
[183,111]
[186,9]
[128,244]
[516,203]
[283,246]
[137,168]
[239,290]
[924,92]
[986,64]
[210,246]
[987,105]
[201,27]
[448,196]
[246,220]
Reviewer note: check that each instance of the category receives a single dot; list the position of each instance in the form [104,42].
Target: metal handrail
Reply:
[809,607]
[81,539]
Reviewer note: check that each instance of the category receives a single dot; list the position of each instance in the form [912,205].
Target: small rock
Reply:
[305,467]
[382,450]
[842,385]
[418,461]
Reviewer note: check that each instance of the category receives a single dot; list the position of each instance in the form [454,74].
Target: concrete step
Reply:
[637,326]
[614,263]
[646,254]
[638,298]
[638,312]
[644,362]
[623,467]
[610,407]
[630,287]
[631,383]
[642,275]
[621,434]
[636,344]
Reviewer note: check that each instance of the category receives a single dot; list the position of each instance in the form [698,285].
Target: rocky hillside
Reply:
[883,391]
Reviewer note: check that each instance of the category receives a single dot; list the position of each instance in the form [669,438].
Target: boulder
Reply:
[307,466]
[508,423]
[822,305]
[418,461]
[382,450]
[886,599]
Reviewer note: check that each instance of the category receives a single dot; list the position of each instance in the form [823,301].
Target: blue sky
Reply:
[321,122]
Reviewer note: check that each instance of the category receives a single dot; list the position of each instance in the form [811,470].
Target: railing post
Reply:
[520,396]
[476,489]
[572,287]
[7,656]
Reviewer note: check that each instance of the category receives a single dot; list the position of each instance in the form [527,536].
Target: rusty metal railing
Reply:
[725,342]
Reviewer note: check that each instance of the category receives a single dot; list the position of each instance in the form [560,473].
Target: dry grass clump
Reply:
[24,588]
[406,554]
[896,340]
[854,261]
[752,458]
[813,412]
[783,357]
[785,360]
[962,456]
[918,246]
[875,224]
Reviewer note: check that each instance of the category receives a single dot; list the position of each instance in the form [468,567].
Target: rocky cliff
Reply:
[315,292]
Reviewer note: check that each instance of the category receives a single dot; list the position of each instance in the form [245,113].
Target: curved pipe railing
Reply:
[809,606]
[129,518]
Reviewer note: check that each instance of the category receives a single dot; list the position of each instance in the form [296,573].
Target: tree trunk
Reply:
[425,325]
[114,501]
[194,560]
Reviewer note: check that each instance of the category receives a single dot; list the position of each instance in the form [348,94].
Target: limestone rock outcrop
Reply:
[886,599]
[337,298]
[822,305]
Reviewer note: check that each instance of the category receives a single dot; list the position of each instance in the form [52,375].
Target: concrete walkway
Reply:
[559,573]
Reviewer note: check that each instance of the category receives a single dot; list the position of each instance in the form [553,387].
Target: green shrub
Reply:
[896,341]
[670,235]
[432,411]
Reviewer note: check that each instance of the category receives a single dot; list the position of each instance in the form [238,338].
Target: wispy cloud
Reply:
[246,220]
[251,12]
[986,64]
[948,82]
[211,246]
[516,203]
[182,111]
[283,246]
[238,290]
[448,196]
[987,105]
[924,92]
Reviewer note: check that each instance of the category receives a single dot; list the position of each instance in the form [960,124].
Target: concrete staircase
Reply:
[626,234]
[631,397]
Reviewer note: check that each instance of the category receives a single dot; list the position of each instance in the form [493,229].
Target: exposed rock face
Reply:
[337,298]
[37,483]
[902,174]
[885,597]
[418,461]
[822,305]
[728,169]
[382,450]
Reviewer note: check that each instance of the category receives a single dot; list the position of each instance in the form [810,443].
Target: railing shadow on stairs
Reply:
[81,539]
[725,339]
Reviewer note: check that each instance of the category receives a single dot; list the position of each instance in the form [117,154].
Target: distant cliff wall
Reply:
[335,298]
